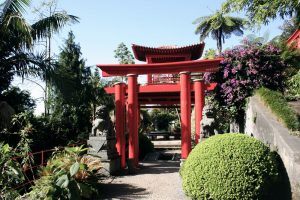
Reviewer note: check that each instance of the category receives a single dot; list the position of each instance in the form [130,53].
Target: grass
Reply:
[279,106]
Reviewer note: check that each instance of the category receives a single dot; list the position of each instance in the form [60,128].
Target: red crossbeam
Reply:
[210,65]
[161,88]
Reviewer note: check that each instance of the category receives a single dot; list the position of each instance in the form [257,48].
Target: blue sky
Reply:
[106,23]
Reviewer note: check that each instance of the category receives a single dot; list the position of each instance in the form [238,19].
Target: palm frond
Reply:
[205,32]
[27,63]
[17,6]
[51,24]
[201,19]
[220,27]
[229,22]
[15,24]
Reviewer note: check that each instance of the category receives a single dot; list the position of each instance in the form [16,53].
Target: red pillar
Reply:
[185,113]
[149,78]
[137,139]
[199,104]
[120,121]
[132,117]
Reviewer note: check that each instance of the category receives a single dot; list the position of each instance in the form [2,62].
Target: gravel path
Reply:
[155,180]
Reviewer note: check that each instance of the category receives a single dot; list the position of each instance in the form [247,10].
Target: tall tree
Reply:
[220,27]
[263,11]
[47,10]
[123,54]
[18,37]
[71,72]
[73,92]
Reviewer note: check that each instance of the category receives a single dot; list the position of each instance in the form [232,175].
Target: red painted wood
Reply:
[199,104]
[159,102]
[161,88]
[120,121]
[141,52]
[210,86]
[160,106]
[132,116]
[185,114]
[149,78]
[197,89]
[136,159]
[210,65]
[294,40]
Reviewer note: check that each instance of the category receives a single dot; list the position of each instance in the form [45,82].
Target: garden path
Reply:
[155,180]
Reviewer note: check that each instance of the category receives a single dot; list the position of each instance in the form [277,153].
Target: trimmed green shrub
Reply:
[279,106]
[230,166]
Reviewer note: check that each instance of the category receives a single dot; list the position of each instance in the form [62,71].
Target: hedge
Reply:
[279,106]
[230,166]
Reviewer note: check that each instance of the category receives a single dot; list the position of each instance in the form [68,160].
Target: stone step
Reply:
[167,144]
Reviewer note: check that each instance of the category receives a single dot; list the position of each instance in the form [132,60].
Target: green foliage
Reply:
[145,145]
[162,118]
[289,54]
[288,28]
[209,54]
[18,99]
[68,175]
[10,172]
[293,87]
[230,166]
[123,54]
[220,27]
[262,12]
[279,106]
[145,122]
[244,69]
[76,94]
[20,37]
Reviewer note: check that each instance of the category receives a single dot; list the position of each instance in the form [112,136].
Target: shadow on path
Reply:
[158,167]
[153,180]
[121,191]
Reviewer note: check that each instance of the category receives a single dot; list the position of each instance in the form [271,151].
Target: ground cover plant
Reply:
[293,87]
[230,166]
[279,106]
[67,175]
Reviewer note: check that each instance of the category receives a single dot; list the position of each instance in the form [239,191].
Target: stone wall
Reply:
[262,124]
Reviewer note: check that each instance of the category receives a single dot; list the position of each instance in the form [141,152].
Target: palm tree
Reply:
[18,38]
[220,27]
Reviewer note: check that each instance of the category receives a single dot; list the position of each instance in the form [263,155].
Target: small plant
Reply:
[293,87]
[14,161]
[67,175]
[230,166]
[11,174]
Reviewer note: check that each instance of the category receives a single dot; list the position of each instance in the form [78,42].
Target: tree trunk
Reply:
[219,41]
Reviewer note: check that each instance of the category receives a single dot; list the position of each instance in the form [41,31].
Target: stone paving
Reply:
[155,180]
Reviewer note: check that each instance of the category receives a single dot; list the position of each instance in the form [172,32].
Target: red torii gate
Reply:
[163,60]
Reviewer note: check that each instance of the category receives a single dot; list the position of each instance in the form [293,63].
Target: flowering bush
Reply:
[244,69]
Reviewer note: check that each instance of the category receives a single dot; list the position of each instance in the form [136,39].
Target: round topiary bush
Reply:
[230,166]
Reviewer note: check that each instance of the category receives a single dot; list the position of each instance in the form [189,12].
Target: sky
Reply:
[104,24]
